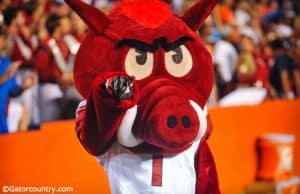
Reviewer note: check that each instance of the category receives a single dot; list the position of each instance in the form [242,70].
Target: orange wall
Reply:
[54,157]
[234,135]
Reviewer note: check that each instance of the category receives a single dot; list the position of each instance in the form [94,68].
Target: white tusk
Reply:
[125,135]
[202,114]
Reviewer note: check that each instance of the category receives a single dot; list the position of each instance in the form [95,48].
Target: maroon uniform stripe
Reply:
[157,169]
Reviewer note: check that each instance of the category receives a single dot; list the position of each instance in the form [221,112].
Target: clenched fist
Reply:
[120,87]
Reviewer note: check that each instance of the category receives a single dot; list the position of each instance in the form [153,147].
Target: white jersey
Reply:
[130,173]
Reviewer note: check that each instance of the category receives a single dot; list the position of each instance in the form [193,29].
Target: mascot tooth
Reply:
[125,135]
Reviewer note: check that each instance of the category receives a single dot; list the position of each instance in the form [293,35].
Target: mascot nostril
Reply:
[186,122]
[145,76]
[171,122]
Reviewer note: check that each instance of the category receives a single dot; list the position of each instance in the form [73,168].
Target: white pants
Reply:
[15,111]
[29,97]
[49,95]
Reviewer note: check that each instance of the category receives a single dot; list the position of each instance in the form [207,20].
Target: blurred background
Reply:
[255,45]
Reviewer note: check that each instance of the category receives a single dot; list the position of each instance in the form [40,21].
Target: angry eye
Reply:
[139,63]
[179,61]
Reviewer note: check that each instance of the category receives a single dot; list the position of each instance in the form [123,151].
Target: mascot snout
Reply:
[172,123]
[165,117]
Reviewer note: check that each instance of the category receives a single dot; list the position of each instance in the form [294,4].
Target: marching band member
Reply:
[54,66]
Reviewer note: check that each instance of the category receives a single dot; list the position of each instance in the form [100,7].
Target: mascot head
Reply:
[172,69]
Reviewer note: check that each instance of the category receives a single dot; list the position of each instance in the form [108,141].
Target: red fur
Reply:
[150,14]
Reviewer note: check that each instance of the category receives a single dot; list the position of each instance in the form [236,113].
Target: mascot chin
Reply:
[146,76]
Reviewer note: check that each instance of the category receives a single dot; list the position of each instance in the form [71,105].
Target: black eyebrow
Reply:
[160,42]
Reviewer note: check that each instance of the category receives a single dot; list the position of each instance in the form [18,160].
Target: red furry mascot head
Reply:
[146,77]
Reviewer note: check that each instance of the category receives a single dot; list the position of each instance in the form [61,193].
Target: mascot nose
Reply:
[172,123]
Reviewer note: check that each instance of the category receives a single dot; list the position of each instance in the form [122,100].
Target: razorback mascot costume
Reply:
[146,77]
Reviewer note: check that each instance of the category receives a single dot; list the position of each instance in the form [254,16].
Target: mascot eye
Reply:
[139,63]
[179,61]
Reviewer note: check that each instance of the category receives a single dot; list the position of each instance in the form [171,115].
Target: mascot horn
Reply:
[146,76]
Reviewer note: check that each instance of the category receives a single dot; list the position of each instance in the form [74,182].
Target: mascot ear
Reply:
[197,14]
[94,18]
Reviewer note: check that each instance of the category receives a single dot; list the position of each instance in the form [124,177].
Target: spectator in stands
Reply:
[10,87]
[284,74]
[21,45]
[246,65]
[252,69]
[225,57]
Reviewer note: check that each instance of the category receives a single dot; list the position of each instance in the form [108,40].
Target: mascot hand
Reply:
[120,87]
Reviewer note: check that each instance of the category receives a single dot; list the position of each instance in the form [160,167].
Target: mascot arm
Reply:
[99,118]
[207,178]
